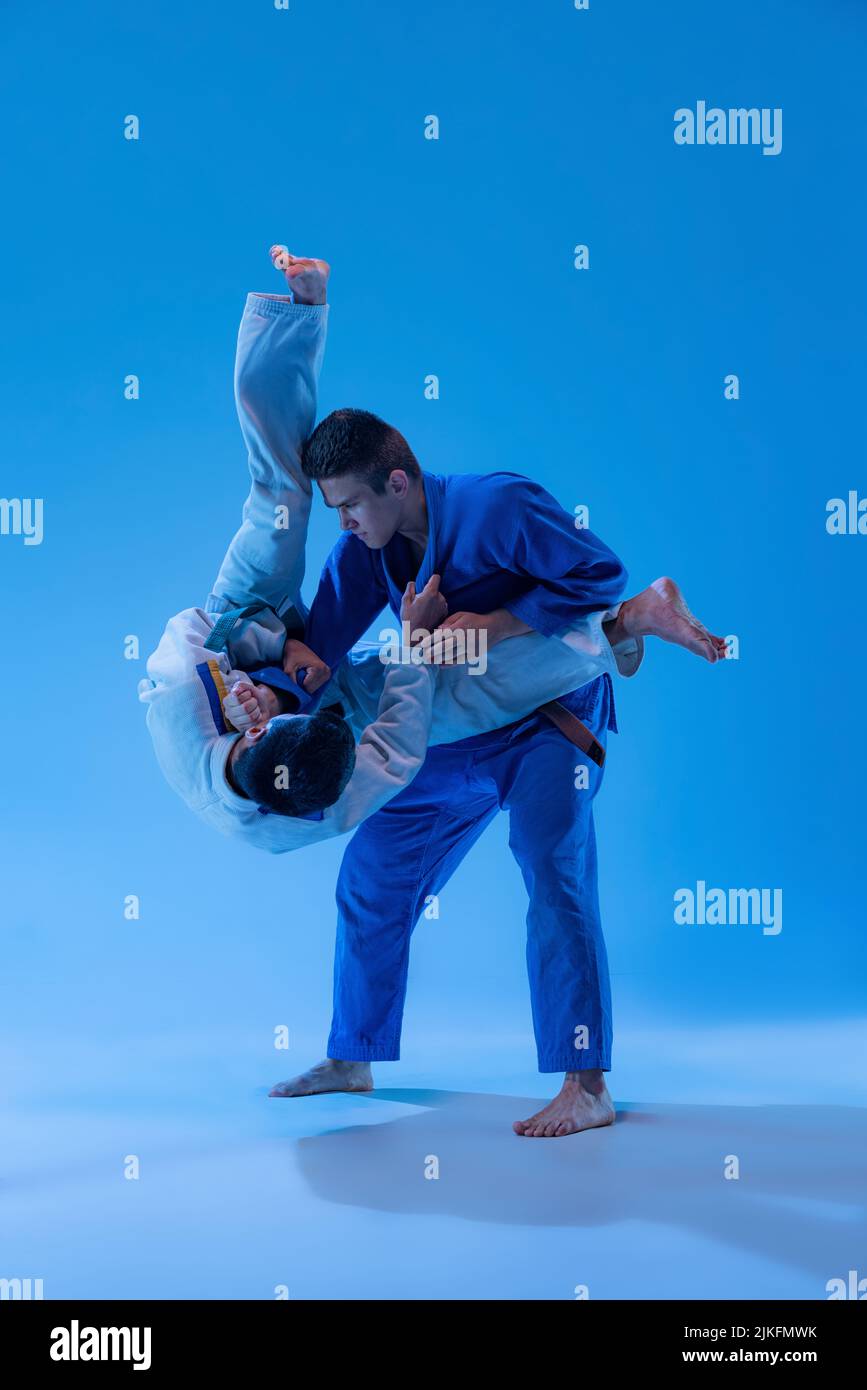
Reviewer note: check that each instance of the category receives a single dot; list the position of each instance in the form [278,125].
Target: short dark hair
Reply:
[300,764]
[357,442]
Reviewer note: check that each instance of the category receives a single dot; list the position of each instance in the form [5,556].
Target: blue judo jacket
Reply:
[497,540]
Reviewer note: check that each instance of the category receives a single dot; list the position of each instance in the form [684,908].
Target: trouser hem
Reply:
[576,1061]
[345,1050]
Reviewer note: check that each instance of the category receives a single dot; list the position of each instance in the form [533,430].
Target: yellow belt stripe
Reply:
[217,677]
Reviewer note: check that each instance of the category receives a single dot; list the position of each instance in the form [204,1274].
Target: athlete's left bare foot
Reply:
[583,1103]
[660,611]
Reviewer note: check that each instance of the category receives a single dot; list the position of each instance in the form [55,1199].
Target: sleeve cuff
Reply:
[277,305]
[534,616]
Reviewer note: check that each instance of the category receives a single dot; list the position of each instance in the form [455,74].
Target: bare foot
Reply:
[330,1075]
[306,278]
[574,1109]
[661,611]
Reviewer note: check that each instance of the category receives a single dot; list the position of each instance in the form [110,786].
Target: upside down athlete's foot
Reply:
[583,1103]
[306,277]
[660,611]
[330,1075]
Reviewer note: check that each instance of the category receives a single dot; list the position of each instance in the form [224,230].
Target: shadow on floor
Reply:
[799,1199]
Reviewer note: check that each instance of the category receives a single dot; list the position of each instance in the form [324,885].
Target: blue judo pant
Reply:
[410,850]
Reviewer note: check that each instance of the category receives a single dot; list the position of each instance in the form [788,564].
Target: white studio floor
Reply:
[238,1195]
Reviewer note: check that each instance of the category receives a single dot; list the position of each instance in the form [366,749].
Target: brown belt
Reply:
[576,732]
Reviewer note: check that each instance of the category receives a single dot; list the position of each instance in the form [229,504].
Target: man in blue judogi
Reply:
[510,561]
[511,565]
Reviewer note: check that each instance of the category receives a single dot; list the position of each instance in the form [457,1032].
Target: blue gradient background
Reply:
[451,257]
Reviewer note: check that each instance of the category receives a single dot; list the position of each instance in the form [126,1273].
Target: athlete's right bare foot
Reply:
[306,278]
[330,1075]
[660,611]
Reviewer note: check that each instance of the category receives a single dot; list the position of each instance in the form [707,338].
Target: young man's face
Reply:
[373,517]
